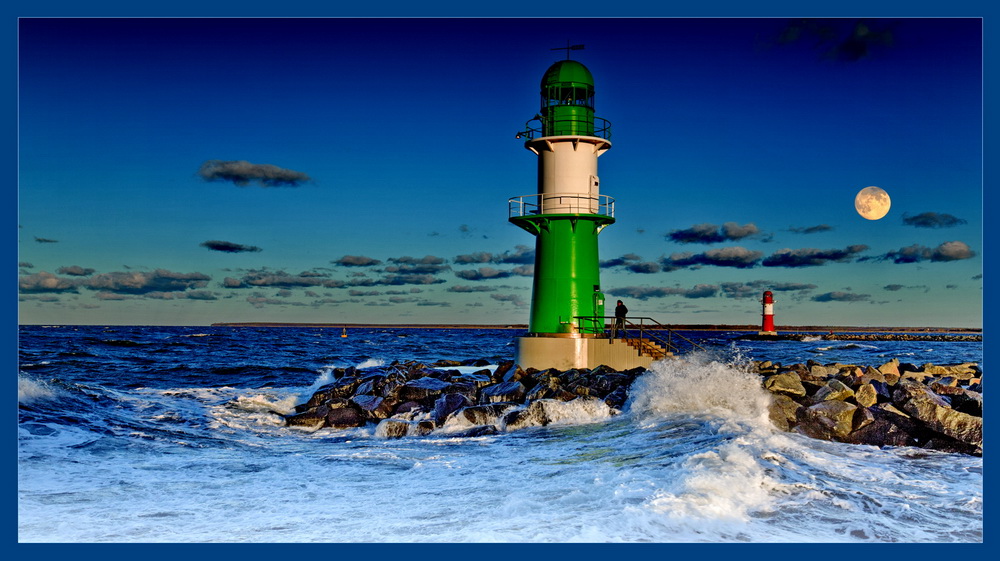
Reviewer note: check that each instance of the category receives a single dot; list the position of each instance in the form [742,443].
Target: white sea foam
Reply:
[370,363]
[31,391]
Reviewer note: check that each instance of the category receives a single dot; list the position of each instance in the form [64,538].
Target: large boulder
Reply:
[617,398]
[346,417]
[371,385]
[834,390]
[533,415]
[962,400]
[964,370]
[311,418]
[888,427]
[484,414]
[502,370]
[871,374]
[821,372]
[392,428]
[477,380]
[937,414]
[422,390]
[787,383]
[828,420]
[504,391]
[448,404]
[377,408]
[783,411]
[866,395]
[890,371]
[341,388]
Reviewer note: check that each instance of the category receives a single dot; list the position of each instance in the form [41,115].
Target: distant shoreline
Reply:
[782,330]
[677,327]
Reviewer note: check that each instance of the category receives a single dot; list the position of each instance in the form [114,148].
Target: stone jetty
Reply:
[931,406]
[413,399]
[943,337]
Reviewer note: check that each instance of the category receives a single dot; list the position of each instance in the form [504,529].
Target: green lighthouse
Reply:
[568,212]
[566,216]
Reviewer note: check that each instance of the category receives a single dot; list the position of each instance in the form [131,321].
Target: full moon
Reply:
[872,203]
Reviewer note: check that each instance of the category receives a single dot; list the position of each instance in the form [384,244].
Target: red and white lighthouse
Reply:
[767,325]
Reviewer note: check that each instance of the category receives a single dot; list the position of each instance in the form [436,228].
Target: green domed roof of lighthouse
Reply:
[567,71]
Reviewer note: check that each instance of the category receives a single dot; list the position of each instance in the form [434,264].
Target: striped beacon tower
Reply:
[565,216]
[767,325]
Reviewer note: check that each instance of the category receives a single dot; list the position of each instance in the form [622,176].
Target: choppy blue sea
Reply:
[167,434]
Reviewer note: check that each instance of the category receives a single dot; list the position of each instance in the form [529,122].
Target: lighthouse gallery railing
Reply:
[560,203]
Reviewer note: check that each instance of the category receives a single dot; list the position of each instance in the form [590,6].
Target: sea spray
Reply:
[722,478]
[700,386]
[30,391]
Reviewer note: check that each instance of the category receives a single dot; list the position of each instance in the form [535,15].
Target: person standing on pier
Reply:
[620,312]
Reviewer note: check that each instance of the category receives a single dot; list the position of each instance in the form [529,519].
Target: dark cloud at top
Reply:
[356,261]
[842,40]
[812,229]
[932,220]
[45,240]
[229,247]
[242,173]
[710,233]
[809,257]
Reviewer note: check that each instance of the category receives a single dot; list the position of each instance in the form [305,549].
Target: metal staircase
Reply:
[648,347]
[646,335]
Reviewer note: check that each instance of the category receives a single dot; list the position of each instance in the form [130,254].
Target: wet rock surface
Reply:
[931,406]
[414,399]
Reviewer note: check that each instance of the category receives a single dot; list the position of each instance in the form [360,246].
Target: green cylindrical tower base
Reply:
[567,281]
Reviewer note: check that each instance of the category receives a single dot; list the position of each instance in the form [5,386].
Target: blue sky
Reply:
[382,154]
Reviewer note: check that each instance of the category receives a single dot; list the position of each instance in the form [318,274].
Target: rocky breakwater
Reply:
[937,407]
[414,399]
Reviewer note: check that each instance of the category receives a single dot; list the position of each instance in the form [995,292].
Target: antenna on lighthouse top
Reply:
[568,48]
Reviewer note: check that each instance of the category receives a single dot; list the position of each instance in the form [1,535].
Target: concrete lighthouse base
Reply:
[565,352]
